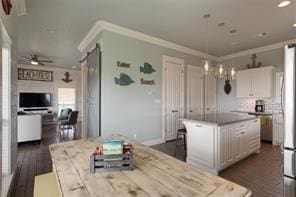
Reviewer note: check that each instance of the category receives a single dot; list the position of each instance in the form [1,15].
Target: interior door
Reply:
[173,96]
[210,94]
[94,87]
[194,91]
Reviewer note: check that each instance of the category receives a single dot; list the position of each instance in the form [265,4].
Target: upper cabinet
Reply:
[255,82]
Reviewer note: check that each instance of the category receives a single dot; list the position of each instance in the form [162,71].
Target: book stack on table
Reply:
[114,155]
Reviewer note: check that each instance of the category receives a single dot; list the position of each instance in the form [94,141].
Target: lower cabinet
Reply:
[237,141]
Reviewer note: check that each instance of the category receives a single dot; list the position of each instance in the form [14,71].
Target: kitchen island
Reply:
[155,174]
[216,141]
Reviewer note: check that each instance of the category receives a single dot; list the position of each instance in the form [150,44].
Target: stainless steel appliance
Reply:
[260,106]
[289,109]
[266,128]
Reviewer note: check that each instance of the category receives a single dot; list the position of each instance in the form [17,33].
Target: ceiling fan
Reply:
[34,60]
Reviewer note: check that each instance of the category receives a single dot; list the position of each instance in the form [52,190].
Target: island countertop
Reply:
[220,119]
[155,174]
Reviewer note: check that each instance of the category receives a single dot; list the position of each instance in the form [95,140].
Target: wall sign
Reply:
[35,75]
[6,5]
[147,82]
[123,64]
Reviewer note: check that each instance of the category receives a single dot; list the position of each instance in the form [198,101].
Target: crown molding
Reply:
[20,6]
[257,50]
[103,25]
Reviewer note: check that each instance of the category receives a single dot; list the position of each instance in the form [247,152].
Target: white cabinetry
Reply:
[255,82]
[227,147]
[28,127]
[237,141]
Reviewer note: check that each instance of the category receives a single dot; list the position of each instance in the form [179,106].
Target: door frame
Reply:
[198,69]
[175,60]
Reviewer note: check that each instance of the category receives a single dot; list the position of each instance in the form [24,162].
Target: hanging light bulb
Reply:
[206,64]
[233,73]
[220,70]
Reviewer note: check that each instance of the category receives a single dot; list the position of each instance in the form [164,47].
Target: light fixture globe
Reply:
[220,70]
[233,73]
[284,4]
[206,66]
[33,62]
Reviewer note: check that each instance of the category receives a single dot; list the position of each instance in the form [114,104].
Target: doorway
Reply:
[173,96]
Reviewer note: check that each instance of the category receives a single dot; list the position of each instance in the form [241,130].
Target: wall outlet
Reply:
[135,136]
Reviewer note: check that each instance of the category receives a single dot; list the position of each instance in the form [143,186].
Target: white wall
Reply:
[52,87]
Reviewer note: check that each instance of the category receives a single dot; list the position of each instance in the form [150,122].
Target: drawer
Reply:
[257,137]
[241,126]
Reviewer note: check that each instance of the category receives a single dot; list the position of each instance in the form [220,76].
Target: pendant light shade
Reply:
[233,73]
[206,66]
[220,72]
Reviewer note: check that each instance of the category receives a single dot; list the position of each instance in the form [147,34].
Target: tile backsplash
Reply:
[272,105]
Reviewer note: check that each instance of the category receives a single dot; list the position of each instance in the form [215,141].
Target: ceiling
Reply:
[54,28]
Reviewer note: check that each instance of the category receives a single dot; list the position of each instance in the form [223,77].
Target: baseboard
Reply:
[153,142]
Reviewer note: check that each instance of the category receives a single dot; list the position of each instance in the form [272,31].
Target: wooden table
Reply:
[155,174]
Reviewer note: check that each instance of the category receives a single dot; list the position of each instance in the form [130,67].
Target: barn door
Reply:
[94,93]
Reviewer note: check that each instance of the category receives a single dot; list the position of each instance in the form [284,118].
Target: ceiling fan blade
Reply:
[47,61]
[40,63]
[26,57]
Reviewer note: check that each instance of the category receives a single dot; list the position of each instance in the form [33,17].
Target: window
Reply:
[66,98]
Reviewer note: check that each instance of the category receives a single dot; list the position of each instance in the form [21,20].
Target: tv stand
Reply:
[35,109]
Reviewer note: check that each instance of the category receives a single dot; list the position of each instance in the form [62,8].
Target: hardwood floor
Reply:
[261,173]
[34,159]
[258,172]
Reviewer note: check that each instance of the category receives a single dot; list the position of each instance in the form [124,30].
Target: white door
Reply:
[173,88]
[210,94]
[194,91]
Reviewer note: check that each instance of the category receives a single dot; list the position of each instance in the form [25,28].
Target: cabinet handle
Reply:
[241,126]
[198,125]
[190,111]
[243,133]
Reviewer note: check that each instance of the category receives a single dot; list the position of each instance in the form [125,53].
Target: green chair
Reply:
[64,115]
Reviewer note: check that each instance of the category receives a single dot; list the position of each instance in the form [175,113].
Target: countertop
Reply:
[221,119]
[257,113]
[155,174]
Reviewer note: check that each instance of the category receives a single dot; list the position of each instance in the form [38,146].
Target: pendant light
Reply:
[294,25]
[206,62]
[233,70]
[220,68]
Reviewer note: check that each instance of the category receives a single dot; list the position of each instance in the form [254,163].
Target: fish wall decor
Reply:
[147,82]
[123,80]
[123,64]
[147,68]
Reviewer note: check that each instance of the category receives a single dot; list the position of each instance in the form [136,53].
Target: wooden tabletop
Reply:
[155,174]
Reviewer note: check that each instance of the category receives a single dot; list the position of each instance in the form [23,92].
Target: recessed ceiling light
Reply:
[294,25]
[260,35]
[73,66]
[284,4]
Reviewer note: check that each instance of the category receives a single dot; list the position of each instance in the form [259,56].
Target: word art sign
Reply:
[35,75]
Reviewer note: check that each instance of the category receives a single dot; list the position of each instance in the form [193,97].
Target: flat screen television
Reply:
[27,99]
